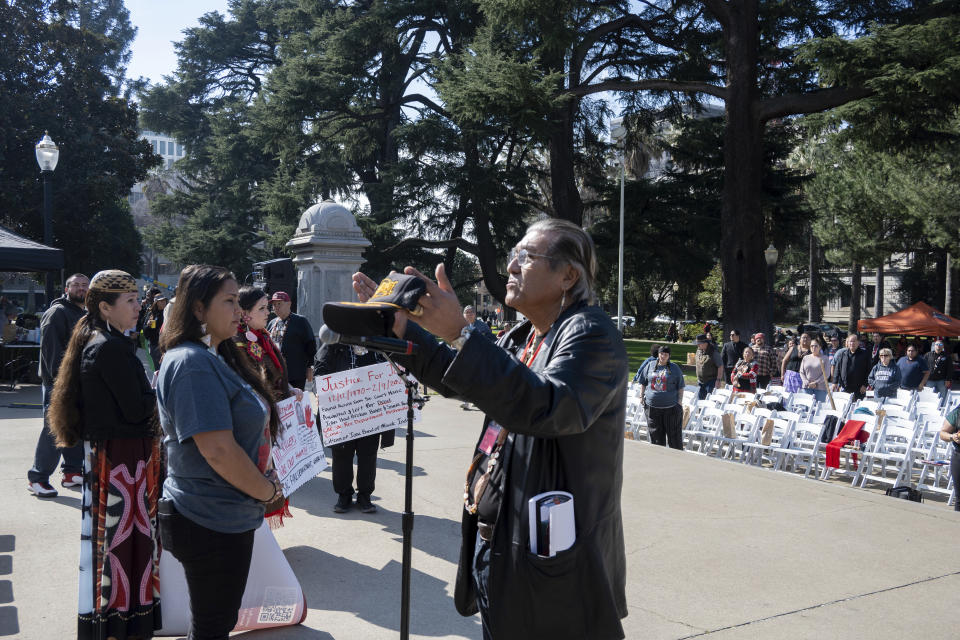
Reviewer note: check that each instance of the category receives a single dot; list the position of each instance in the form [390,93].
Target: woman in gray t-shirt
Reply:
[218,420]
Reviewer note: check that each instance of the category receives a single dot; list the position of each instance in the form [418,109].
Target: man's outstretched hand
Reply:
[441,308]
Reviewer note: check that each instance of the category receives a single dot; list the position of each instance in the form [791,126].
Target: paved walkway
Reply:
[713,549]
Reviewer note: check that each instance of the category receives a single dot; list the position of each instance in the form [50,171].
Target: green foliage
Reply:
[61,69]
[710,297]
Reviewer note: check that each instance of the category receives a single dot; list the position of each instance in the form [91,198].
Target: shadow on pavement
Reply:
[9,625]
[336,584]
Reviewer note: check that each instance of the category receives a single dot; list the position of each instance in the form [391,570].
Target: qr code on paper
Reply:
[279,605]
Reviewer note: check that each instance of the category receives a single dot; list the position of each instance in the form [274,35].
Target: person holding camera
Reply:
[744,374]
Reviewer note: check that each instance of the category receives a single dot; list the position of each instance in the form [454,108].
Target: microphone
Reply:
[385,345]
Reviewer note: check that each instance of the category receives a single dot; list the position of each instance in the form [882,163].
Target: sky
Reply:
[159,24]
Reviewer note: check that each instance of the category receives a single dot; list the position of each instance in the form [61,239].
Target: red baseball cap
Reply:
[280,296]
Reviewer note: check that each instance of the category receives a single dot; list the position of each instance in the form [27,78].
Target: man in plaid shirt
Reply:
[766,359]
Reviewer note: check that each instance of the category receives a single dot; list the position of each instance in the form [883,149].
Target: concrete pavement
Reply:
[713,549]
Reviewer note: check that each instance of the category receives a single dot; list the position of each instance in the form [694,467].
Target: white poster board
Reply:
[298,453]
[360,402]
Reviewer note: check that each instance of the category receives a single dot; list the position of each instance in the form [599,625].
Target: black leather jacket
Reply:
[117,401]
[565,415]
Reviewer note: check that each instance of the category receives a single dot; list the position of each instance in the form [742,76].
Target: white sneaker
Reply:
[42,490]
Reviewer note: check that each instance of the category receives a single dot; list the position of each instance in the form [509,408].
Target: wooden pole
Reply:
[826,383]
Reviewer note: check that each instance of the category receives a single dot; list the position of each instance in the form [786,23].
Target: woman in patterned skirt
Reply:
[102,398]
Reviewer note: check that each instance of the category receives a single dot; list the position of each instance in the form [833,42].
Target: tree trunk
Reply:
[564,193]
[879,295]
[741,241]
[813,303]
[947,292]
[855,282]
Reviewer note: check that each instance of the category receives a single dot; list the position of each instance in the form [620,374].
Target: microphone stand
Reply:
[413,399]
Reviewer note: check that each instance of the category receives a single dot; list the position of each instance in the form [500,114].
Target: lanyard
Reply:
[523,357]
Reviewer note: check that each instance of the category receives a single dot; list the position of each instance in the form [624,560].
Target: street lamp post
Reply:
[47,156]
[770,254]
[618,135]
[676,289]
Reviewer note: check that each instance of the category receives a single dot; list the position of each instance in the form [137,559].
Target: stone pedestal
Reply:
[327,248]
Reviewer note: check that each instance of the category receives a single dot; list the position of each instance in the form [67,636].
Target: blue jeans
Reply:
[819,394]
[481,578]
[939,385]
[706,388]
[47,455]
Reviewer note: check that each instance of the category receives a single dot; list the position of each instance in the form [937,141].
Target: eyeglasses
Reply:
[522,256]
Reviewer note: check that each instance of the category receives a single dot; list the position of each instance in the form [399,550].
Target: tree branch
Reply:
[720,9]
[458,243]
[799,103]
[427,102]
[641,85]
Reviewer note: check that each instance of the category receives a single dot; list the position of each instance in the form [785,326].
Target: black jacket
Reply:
[116,398]
[940,365]
[299,346]
[56,326]
[334,358]
[565,417]
[851,370]
[731,354]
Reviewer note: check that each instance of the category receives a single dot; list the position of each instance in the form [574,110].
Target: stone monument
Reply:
[327,247]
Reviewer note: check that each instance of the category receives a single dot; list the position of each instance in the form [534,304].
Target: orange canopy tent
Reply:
[919,319]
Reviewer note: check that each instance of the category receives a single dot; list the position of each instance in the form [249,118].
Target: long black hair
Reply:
[200,283]
[63,414]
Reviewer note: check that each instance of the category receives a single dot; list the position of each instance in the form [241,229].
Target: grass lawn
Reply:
[639,350]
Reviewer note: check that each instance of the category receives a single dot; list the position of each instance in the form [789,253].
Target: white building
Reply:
[158,270]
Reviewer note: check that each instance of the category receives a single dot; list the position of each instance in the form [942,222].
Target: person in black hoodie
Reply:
[732,351]
[55,327]
[941,368]
[334,358]
[102,399]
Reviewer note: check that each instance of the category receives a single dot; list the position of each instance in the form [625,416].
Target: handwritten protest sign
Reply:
[360,402]
[298,453]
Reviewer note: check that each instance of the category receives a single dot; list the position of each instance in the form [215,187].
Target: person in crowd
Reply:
[470,315]
[833,348]
[654,352]
[671,333]
[146,307]
[732,350]
[766,361]
[103,402]
[950,432]
[661,393]
[813,372]
[709,366]
[940,365]
[885,376]
[709,335]
[56,327]
[874,346]
[901,348]
[790,364]
[914,370]
[557,385]
[745,372]
[334,358]
[851,366]
[252,339]
[219,419]
[152,327]
[296,338]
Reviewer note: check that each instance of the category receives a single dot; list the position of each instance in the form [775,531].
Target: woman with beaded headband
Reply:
[102,397]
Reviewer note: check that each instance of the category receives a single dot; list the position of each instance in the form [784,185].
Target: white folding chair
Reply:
[891,449]
[850,468]
[756,452]
[801,450]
